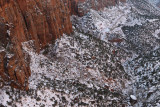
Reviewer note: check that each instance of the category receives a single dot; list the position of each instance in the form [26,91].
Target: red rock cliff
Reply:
[80,7]
[21,20]
[40,20]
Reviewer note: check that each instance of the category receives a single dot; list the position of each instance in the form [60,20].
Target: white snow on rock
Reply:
[109,19]
[54,69]
[154,1]
[157,34]
[133,97]
[9,32]
[4,98]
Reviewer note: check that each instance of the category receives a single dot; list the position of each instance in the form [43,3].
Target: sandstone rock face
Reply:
[81,7]
[23,20]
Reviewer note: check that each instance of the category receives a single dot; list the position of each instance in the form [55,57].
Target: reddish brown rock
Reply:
[21,20]
[118,40]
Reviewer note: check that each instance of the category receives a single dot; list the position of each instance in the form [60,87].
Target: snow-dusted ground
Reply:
[154,2]
[79,70]
[137,25]
[112,55]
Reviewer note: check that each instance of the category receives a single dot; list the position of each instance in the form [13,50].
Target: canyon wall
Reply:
[81,7]
[21,20]
[40,20]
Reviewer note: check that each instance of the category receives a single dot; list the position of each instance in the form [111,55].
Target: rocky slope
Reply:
[81,7]
[135,29]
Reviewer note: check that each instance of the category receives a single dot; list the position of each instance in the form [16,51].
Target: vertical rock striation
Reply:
[21,20]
